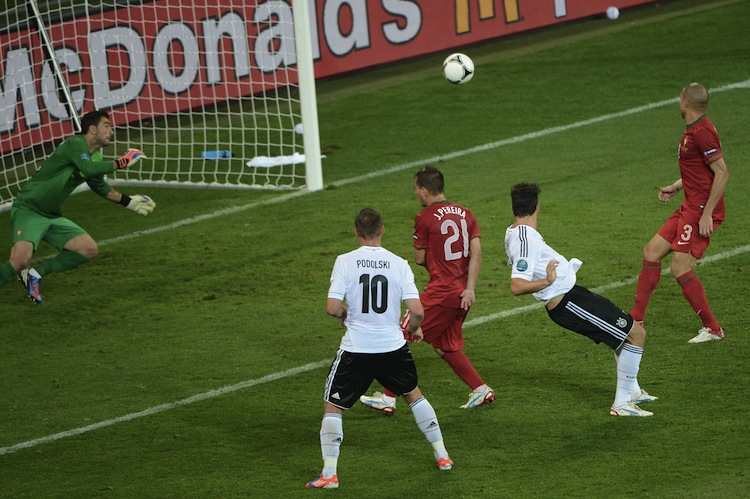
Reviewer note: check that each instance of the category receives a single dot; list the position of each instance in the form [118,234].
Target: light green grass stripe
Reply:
[414,164]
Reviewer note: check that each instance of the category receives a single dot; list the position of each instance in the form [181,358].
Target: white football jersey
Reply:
[529,255]
[373,282]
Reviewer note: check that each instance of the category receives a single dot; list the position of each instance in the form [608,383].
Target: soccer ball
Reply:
[458,68]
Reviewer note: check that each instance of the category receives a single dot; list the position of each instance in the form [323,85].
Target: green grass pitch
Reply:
[188,359]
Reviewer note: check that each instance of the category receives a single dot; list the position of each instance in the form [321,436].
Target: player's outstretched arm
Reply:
[139,203]
[129,158]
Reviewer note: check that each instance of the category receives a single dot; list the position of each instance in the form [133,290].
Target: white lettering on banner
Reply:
[358,36]
[412,21]
[71,62]
[165,70]
[18,77]
[127,39]
[269,57]
[151,52]
[233,26]
[312,13]
[561,8]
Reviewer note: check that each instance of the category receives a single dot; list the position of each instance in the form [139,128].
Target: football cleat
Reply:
[323,483]
[378,402]
[32,281]
[445,463]
[706,334]
[642,397]
[478,399]
[629,409]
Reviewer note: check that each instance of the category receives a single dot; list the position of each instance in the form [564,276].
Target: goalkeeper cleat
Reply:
[643,396]
[379,402]
[707,334]
[324,483]
[444,463]
[32,281]
[629,409]
[480,398]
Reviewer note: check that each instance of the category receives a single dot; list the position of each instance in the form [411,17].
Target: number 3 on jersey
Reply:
[455,233]
[374,293]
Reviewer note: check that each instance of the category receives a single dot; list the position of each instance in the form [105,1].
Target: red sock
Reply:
[389,393]
[461,365]
[647,281]
[693,290]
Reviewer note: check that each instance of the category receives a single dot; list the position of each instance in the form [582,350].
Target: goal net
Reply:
[215,92]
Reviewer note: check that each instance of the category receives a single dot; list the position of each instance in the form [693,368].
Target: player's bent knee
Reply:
[413,395]
[19,262]
[637,336]
[90,252]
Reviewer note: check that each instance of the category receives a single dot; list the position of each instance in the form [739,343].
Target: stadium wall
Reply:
[117,65]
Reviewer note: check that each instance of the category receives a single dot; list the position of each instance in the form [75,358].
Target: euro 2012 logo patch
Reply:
[522,265]
[85,156]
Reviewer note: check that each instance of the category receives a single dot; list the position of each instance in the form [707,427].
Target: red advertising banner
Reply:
[357,34]
[163,57]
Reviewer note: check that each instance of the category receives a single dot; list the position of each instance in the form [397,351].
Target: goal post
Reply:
[217,93]
[308,98]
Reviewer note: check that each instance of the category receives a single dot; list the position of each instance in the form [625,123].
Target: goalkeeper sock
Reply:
[7,274]
[65,260]
[331,436]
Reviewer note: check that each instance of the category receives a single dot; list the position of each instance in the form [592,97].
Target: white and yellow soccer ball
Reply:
[458,68]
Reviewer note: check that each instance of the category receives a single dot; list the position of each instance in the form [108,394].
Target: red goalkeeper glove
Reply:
[130,157]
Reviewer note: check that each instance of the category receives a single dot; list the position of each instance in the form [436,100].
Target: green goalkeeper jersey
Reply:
[66,168]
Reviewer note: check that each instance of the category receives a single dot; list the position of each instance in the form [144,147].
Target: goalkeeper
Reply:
[36,215]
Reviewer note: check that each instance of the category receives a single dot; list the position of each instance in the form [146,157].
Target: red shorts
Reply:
[442,326]
[681,229]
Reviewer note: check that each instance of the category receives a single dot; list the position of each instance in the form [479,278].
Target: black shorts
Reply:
[593,316]
[352,373]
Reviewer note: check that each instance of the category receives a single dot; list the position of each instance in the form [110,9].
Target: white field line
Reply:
[165,407]
[283,198]
[414,164]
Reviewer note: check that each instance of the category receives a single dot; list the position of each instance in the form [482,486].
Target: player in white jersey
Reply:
[373,282]
[551,278]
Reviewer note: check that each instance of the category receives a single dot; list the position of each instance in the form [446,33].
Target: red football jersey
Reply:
[700,146]
[444,230]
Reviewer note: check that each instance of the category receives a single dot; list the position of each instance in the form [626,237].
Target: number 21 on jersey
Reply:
[458,235]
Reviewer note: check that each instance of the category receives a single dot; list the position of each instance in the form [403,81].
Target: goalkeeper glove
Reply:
[143,205]
[130,157]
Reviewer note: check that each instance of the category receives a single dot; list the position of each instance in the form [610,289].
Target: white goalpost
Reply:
[217,93]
